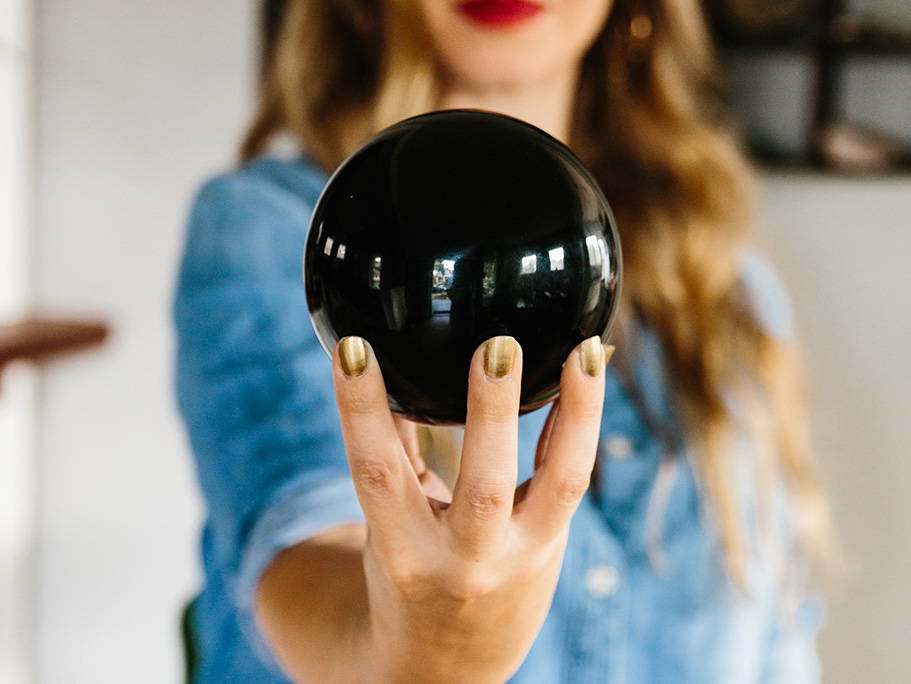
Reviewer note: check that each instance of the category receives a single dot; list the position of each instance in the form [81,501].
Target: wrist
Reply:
[406,658]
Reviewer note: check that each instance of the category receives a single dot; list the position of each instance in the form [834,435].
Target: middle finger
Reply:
[483,495]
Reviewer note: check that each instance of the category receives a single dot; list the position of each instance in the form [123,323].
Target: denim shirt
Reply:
[255,390]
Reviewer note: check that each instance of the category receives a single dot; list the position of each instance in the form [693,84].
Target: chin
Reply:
[486,69]
[516,54]
[486,59]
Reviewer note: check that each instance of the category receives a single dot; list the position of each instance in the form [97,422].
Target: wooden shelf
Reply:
[35,339]
[828,41]
[843,43]
[803,167]
[802,164]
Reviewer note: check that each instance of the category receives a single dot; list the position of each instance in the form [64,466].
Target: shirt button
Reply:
[602,581]
[618,446]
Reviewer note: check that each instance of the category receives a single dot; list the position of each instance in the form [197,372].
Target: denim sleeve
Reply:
[791,654]
[255,386]
[792,657]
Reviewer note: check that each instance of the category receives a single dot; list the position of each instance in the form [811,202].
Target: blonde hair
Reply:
[343,69]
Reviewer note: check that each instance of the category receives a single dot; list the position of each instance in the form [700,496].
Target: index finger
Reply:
[386,484]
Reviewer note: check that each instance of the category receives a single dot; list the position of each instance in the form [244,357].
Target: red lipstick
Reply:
[499,12]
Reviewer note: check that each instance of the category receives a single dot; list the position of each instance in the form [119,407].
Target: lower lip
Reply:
[499,12]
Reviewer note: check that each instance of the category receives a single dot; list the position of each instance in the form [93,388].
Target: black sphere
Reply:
[447,229]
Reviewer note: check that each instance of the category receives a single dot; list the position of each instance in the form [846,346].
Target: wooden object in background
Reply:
[830,37]
[35,339]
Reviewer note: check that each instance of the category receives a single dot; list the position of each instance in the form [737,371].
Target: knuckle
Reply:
[404,577]
[470,585]
[372,476]
[569,489]
[486,498]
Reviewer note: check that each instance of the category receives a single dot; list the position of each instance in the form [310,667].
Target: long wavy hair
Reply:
[647,123]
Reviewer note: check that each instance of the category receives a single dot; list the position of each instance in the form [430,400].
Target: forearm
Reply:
[312,605]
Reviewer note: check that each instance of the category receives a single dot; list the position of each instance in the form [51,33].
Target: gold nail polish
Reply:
[499,356]
[608,353]
[352,353]
[591,356]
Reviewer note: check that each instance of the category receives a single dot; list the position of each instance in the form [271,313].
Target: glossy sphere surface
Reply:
[452,227]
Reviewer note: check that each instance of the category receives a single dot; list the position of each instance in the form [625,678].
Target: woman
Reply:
[683,563]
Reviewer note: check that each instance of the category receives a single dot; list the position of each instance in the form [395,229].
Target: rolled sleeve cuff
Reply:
[309,506]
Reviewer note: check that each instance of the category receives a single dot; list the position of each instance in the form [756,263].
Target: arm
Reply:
[792,656]
[432,592]
[320,633]
[255,387]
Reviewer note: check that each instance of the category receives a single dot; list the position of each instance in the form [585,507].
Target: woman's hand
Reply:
[456,592]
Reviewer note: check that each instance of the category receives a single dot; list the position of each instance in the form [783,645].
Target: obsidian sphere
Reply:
[449,228]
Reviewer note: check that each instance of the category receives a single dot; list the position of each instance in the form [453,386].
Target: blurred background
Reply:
[110,116]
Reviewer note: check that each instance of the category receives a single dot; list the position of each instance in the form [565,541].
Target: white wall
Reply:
[137,102]
[17,383]
[843,246]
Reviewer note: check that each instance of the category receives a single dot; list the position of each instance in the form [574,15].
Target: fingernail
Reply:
[591,356]
[499,356]
[352,352]
[608,353]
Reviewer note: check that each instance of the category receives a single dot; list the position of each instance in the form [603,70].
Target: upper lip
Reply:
[499,2]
